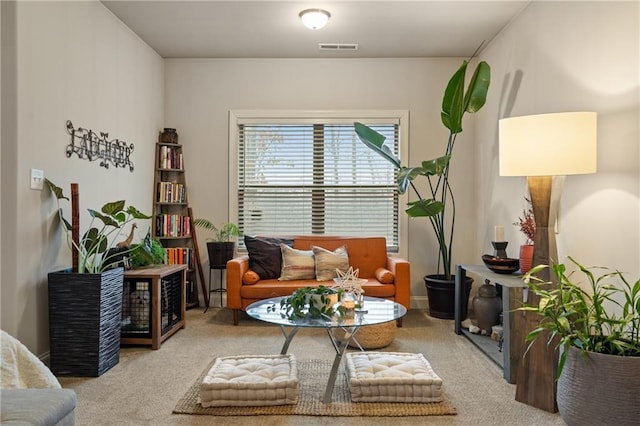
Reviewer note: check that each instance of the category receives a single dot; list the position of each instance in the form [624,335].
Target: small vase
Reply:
[526,257]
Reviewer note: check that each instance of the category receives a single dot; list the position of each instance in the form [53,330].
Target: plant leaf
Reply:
[452,102]
[478,87]
[55,189]
[137,214]
[105,219]
[375,141]
[424,208]
[113,207]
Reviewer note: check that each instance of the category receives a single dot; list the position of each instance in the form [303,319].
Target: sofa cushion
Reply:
[384,275]
[328,261]
[297,264]
[265,289]
[250,277]
[265,256]
[365,253]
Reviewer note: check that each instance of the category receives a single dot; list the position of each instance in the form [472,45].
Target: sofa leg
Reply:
[235,317]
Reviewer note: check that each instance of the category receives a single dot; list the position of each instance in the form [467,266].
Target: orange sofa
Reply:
[367,254]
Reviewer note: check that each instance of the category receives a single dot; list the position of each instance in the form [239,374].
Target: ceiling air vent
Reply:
[338,46]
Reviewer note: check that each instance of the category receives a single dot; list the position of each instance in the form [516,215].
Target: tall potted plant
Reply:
[85,304]
[221,247]
[439,204]
[597,329]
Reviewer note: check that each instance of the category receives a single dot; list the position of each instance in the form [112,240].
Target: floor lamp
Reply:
[545,148]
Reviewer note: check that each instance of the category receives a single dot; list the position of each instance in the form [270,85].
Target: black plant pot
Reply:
[220,253]
[441,294]
[85,312]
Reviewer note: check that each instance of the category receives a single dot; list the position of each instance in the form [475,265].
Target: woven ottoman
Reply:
[250,380]
[391,377]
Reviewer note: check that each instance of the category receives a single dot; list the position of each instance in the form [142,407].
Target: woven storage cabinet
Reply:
[391,377]
[84,322]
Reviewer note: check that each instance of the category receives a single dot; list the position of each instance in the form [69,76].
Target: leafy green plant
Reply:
[298,305]
[149,252]
[455,103]
[222,233]
[94,246]
[605,318]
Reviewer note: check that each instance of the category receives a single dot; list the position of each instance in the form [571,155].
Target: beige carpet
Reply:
[313,375]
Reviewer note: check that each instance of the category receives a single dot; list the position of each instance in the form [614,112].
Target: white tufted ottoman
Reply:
[251,380]
[391,377]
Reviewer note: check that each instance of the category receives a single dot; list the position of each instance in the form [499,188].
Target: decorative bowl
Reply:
[501,265]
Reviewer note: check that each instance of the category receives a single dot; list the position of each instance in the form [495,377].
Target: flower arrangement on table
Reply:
[527,222]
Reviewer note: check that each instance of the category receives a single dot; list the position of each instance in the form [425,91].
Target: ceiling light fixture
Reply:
[314,19]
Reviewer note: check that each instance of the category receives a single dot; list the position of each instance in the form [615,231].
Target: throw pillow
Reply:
[250,278]
[385,276]
[297,264]
[328,261]
[265,256]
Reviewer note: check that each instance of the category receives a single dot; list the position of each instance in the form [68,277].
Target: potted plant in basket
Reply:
[598,332]
[439,203]
[85,304]
[527,225]
[221,247]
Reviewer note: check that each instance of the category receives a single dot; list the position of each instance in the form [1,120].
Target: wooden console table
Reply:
[512,322]
[166,291]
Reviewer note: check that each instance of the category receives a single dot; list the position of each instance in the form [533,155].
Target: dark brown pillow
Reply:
[265,255]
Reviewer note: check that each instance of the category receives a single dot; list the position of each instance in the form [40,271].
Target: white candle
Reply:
[499,231]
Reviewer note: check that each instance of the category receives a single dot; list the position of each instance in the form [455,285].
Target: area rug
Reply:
[313,376]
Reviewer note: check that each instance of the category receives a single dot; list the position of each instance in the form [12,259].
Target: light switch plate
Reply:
[37,179]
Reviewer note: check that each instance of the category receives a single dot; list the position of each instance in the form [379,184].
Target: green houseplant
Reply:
[439,204]
[85,305]
[93,248]
[149,252]
[312,301]
[221,247]
[597,330]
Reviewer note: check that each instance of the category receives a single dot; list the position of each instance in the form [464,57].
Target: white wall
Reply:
[75,61]
[570,56]
[200,93]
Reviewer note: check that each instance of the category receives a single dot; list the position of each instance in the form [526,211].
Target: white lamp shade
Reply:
[314,19]
[555,144]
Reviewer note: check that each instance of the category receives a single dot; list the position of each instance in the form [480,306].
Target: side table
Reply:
[161,292]
[512,322]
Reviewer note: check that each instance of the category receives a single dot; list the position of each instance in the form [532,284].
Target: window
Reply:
[312,175]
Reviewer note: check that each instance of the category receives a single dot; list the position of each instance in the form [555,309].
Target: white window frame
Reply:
[288,116]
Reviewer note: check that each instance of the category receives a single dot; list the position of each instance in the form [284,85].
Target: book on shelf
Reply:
[173,225]
[180,256]
[171,192]
[170,158]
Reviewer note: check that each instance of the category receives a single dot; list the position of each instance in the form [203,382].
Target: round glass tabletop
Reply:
[375,311]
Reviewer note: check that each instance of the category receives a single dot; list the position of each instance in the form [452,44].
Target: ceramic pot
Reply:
[487,307]
[599,390]
[526,257]
[169,135]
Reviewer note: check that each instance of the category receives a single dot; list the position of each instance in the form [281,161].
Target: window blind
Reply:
[306,178]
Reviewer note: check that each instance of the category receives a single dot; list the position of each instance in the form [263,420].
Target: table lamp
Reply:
[545,148]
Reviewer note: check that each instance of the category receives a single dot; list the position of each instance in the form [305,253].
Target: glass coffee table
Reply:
[375,311]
